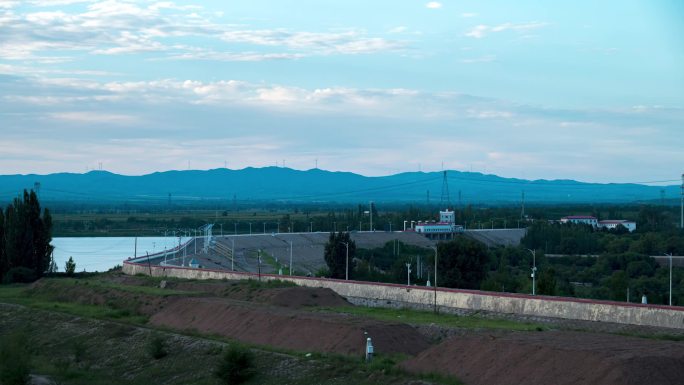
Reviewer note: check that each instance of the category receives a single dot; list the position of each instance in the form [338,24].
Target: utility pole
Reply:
[346,269]
[232,254]
[670,255]
[290,258]
[370,207]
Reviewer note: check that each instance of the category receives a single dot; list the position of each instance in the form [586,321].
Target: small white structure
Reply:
[194,263]
[580,219]
[612,224]
[444,229]
[369,350]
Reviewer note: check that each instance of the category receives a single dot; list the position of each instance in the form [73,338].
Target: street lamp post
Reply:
[534,270]
[670,255]
[408,273]
[290,257]
[259,262]
[435,288]
[346,268]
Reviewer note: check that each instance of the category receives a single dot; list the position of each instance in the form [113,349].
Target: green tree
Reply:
[336,254]
[70,267]
[462,263]
[547,282]
[617,285]
[26,235]
[236,366]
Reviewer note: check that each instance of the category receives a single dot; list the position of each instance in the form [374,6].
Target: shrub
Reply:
[156,347]
[14,359]
[70,267]
[20,275]
[236,366]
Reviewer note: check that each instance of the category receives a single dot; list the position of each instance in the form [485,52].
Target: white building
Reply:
[612,224]
[580,219]
[444,229]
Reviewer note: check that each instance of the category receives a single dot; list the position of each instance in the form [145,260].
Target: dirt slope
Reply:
[288,328]
[554,358]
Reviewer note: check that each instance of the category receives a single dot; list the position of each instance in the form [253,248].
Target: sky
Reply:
[585,90]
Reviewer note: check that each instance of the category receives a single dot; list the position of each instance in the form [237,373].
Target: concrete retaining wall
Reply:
[422,297]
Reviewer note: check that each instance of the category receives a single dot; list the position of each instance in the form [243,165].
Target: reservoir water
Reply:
[103,253]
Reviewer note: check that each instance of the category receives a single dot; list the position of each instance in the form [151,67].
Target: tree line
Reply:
[25,236]
[619,275]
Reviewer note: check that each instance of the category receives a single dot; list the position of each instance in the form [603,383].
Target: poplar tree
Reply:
[25,235]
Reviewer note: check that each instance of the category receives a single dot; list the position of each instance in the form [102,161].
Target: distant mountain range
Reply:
[288,185]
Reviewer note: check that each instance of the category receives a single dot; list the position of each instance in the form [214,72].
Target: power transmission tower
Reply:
[445,201]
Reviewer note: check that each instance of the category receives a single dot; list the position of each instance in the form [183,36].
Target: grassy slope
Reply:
[449,320]
[80,343]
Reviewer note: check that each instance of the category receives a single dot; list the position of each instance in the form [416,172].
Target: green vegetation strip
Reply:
[419,317]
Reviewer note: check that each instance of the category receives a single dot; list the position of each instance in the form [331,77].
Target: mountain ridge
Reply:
[284,184]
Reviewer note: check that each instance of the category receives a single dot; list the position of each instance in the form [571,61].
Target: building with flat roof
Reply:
[444,229]
[612,224]
[580,219]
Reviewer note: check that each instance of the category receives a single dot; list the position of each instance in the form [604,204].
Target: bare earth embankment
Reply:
[318,320]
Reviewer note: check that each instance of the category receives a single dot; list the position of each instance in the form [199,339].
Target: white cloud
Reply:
[112,27]
[347,42]
[481,59]
[6,4]
[483,30]
[94,117]
[468,14]
[478,31]
[115,122]
[433,5]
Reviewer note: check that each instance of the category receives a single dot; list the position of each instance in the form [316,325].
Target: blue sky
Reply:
[582,90]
